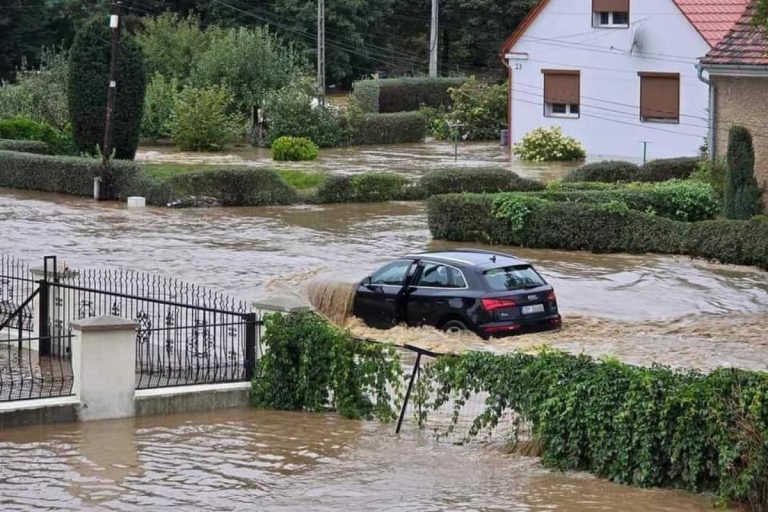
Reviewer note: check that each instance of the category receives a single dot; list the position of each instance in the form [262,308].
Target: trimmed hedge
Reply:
[398,128]
[23,129]
[404,94]
[367,187]
[612,171]
[62,174]
[234,186]
[468,179]
[680,200]
[519,219]
[25,146]
[668,169]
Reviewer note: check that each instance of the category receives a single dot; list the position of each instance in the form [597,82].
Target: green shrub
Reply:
[609,171]
[294,149]
[234,186]
[201,120]
[480,109]
[172,44]
[713,174]
[363,188]
[633,425]
[62,174]
[404,94]
[668,169]
[674,199]
[437,126]
[468,179]
[581,226]
[290,112]
[742,194]
[22,129]
[88,78]
[548,145]
[158,107]
[25,146]
[398,128]
[312,365]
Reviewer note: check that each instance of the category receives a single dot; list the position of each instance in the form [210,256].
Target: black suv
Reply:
[490,293]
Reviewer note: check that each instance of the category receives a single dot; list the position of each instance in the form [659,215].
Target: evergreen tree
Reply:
[87,90]
[742,194]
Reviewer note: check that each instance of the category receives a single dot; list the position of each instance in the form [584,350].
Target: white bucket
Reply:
[136,202]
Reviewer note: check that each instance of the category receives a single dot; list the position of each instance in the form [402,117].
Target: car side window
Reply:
[436,275]
[392,274]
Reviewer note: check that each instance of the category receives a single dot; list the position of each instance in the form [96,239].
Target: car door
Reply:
[430,297]
[379,301]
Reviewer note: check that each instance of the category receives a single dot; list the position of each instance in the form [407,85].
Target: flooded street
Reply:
[408,159]
[253,460]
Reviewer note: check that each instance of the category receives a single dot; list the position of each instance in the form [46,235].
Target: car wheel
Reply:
[455,326]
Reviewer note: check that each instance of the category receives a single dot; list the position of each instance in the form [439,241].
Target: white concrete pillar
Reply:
[104,367]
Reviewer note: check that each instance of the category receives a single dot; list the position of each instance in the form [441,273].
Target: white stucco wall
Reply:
[562,37]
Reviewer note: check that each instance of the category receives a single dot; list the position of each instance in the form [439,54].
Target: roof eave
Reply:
[745,70]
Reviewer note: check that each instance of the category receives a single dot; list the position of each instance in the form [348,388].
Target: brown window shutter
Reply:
[610,5]
[660,95]
[562,86]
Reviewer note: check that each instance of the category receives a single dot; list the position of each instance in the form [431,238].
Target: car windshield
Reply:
[512,278]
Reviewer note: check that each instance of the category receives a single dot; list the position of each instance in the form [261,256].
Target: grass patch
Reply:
[302,180]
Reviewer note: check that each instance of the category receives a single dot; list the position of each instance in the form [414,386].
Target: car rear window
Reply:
[512,278]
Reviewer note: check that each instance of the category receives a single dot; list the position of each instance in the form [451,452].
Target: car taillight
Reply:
[493,304]
[551,297]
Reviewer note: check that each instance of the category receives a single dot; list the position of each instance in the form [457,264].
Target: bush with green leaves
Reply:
[22,129]
[549,145]
[88,80]
[396,128]
[645,426]
[368,187]
[233,186]
[202,120]
[39,94]
[172,44]
[712,172]
[290,111]
[404,94]
[294,149]
[479,109]
[664,169]
[742,194]
[609,171]
[25,146]
[474,179]
[158,107]
[311,365]
[590,227]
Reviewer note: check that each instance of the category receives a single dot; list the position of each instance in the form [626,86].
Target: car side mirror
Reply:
[367,282]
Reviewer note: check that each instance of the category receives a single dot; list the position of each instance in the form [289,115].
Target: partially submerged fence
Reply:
[185,334]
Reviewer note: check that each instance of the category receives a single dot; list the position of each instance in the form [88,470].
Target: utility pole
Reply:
[433,39]
[321,51]
[115,22]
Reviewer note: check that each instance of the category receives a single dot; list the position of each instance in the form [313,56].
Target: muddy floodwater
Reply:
[251,460]
[643,308]
[408,159]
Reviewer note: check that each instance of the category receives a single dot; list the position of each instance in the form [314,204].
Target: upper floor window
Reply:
[610,13]
[562,92]
[660,97]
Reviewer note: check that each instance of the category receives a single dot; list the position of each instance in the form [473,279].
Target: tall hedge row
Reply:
[396,128]
[404,94]
[88,79]
[533,222]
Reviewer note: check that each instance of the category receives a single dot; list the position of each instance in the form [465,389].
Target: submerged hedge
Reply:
[523,220]
[25,146]
[404,94]
[468,179]
[641,426]
[397,128]
[612,171]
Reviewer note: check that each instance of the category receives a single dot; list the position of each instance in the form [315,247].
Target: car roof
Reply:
[470,258]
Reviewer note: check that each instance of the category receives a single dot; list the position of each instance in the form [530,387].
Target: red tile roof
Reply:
[711,18]
[744,44]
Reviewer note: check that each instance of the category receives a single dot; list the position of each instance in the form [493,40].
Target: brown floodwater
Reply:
[408,159]
[244,459]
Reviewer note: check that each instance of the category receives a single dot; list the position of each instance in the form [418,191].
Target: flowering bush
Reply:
[549,144]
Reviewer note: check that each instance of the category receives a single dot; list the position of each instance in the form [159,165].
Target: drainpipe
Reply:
[711,129]
[509,99]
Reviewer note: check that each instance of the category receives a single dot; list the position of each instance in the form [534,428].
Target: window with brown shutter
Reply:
[610,13]
[660,97]
[562,92]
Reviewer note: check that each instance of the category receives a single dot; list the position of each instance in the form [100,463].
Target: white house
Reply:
[616,73]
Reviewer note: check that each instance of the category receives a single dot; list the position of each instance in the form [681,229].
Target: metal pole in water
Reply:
[408,393]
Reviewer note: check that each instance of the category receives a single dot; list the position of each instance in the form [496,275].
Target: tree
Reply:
[742,194]
[21,24]
[88,78]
